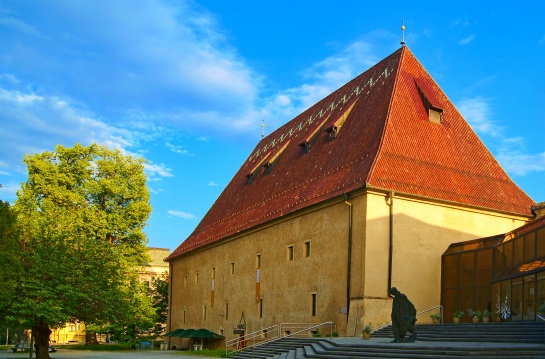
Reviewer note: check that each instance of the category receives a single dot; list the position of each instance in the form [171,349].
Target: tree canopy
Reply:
[81,215]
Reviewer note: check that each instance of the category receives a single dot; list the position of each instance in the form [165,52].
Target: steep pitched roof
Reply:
[375,131]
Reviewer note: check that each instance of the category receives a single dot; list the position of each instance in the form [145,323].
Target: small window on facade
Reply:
[232,267]
[307,249]
[184,316]
[185,281]
[204,313]
[72,327]
[221,332]
[313,304]
[226,311]
[258,261]
[290,253]
[197,278]
[213,272]
[261,308]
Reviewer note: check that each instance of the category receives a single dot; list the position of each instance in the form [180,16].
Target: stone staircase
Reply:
[505,332]
[483,341]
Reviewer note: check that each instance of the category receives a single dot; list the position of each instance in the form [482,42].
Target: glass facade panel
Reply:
[518,251]
[467,273]
[516,300]
[484,267]
[540,250]
[467,300]
[540,289]
[530,246]
[508,252]
[529,300]
[496,294]
[499,260]
[450,271]
[482,298]
[449,300]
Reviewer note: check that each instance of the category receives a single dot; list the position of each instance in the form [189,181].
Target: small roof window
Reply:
[430,102]
[335,128]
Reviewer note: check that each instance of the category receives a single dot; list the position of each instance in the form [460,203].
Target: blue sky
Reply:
[186,84]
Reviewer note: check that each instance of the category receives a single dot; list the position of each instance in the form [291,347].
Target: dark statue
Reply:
[403,317]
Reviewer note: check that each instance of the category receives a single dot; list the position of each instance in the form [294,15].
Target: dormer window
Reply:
[307,143]
[435,115]
[335,128]
[431,104]
[251,175]
[271,162]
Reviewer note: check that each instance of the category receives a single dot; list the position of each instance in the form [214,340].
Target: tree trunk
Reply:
[41,333]
[90,338]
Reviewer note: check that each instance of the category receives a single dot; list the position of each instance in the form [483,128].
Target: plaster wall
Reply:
[285,289]
[422,231]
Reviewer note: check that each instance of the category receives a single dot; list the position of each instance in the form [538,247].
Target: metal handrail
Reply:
[252,346]
[252,336]
[430,309]
[542,318]
[417,314]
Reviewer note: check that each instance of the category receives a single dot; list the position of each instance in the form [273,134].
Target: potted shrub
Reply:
[473,314]
[367,331]
[436,318]
[486,316]
[457,315]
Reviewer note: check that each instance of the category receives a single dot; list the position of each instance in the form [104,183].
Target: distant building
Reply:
[361,192]
[156,266]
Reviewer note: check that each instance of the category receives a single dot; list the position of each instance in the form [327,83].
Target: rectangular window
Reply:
[185,281]
[204,313]
[72,327]
[290,253]
[258,261]
[232,267]
[313,304]
[261,308]
[184,316]
[213,272]
[197,278]
[307,249]
[226,311]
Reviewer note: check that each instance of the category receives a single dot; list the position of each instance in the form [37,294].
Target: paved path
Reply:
[87,354]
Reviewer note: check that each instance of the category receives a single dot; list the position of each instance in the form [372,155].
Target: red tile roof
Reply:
[385,140]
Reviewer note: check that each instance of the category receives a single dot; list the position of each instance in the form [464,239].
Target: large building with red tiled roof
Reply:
[361,192]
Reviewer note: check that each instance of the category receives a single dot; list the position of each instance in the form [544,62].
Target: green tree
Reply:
[10,261]
[159,297]
[81,212]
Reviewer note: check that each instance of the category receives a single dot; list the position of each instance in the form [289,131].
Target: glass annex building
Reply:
[504,274]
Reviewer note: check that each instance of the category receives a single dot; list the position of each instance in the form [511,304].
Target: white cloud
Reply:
[320,80]
[213,184]
[478,113]
[510,150]
[160,170]
[522,164]
[467,40]
[183,215]
[176,149]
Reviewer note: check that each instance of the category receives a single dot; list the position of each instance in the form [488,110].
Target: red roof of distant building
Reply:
[375,131]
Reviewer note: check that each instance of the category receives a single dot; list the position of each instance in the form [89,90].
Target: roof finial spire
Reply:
[402,32]
[262,128]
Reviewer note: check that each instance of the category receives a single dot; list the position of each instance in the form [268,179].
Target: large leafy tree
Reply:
[10,263]
[159,296]
[81,212]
